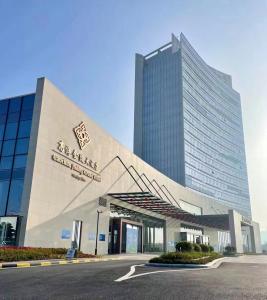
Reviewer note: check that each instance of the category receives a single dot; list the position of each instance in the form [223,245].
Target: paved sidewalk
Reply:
[247,259]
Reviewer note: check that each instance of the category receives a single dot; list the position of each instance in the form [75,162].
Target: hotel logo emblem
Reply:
[82,135]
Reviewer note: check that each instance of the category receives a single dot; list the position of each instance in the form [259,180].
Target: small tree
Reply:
[184,247]
[211,249]
[230,249]
[205,248]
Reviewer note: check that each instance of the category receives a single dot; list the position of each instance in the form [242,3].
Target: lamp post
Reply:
[97,222]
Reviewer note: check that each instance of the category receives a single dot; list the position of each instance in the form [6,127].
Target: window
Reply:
[14,199]
[14,105]
[11,131]
[26,115]
[20,161]
[13,117]
[28,102]
[22,146]
[8,148]
[4,186]
[2,119]
[24,128]
[2,130]
[6,162]
[3,106]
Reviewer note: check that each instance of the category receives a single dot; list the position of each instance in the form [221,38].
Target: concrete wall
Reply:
[235,230]
[55,198]
[256,237]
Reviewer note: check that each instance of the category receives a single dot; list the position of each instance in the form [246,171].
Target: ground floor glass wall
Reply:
[133,232]
[8,231]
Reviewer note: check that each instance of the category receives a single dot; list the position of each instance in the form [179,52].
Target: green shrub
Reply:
[196,247]
[205,248]
[9,254]
[230,249]
[211,249]
[184,247]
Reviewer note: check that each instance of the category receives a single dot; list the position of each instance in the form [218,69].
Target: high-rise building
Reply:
[188,123]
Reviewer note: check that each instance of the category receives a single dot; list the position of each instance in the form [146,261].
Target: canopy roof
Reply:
[150,202]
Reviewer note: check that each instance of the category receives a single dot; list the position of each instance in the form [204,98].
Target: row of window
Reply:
[15,127]
[15,130]
[23,103]
[205,71]
[11,147]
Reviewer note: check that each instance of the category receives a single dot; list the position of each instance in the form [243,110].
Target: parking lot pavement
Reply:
[232,280]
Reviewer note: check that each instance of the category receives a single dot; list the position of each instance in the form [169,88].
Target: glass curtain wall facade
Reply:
[16,119]
[188,123]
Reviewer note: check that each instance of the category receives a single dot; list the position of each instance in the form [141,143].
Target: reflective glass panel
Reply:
[14,199]
[8,148]
[22,146]
[20,161]
[4,185]
[28,102]
[14,105]
[24,128]
[3,106]
[6,162]
[11,131]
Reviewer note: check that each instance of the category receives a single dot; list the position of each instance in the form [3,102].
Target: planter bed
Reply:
[194,258]
[10,254]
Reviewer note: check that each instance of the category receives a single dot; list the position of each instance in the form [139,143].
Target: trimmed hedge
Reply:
[189,247]
[185,258]
[211,248]
[197,248]
[8,254]
[184,247]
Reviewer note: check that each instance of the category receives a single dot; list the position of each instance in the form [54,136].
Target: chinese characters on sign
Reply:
[83,166]
[76,156]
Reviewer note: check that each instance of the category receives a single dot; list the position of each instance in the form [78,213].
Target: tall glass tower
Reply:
[188,123]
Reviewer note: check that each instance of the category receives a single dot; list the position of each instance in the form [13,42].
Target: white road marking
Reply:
[132,270]
[130,275]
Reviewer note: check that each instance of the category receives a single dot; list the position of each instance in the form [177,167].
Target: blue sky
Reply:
[87,49]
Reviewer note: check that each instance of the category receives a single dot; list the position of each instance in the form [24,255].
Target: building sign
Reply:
[71,253]
[82,135]
[82,166]
[102,237]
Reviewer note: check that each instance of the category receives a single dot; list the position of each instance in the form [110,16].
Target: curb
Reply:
[213,264]
[53,263]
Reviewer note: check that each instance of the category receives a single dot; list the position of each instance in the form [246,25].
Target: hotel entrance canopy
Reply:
[156,204]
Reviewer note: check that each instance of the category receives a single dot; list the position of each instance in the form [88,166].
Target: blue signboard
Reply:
[71,253]
[102,237]
[65,234]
